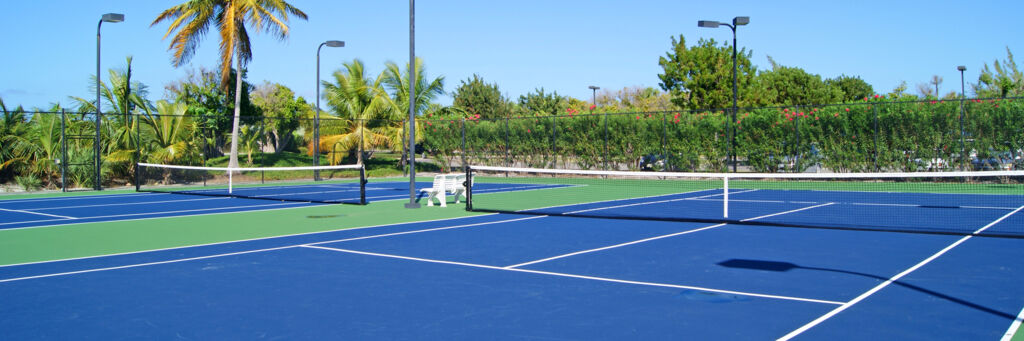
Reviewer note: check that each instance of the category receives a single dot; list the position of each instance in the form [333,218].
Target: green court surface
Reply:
[104,238]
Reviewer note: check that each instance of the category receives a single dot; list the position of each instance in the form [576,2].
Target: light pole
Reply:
[111,18]
[412,106]
[737,21]
[316,119]
[594,88]
[963,150]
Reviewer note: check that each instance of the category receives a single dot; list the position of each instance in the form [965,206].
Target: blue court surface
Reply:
[514,276]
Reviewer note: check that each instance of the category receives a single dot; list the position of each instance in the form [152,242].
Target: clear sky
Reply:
[49,47]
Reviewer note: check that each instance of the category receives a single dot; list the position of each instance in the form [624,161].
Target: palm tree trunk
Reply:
[233,161]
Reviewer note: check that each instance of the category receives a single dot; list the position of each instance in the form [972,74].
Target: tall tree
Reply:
[1003,79]
[853,87]
[192,19]
[360,105]
[700,77]
[539,102]
[480,99]
[793,86]
[282,113]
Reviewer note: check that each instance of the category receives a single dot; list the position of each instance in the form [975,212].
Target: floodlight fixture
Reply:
[740,21]
[334,43]
[708,23]
[113,17]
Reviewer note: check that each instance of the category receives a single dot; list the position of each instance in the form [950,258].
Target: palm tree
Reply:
[14,128]
[397,81]
[193,18]
[125,96]
[358,102]
[168,138]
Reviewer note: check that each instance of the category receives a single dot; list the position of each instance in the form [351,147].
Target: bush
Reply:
[28,182]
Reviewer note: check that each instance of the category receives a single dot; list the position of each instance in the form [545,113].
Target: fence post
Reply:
[508,160]
[664,140]
[554,142]
[64,152]
[606,140]
[874,110]
[463,151]
[796,156]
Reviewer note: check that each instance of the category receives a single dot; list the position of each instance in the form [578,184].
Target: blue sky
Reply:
[564,46]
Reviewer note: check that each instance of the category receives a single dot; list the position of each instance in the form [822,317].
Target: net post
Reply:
[725,196]
[137,170]
[362,184]
[231,181]
[469,188]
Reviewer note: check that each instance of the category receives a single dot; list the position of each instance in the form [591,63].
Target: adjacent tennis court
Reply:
[586,256]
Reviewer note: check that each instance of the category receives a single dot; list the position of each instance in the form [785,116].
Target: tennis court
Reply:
[591,257]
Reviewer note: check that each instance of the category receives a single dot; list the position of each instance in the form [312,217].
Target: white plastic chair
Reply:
[437,191]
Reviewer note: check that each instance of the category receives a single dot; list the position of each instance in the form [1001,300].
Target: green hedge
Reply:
[856,137]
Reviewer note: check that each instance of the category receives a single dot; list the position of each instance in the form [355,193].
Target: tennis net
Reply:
[320,184]
[960,203]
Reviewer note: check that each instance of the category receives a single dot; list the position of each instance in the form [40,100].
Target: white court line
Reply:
[613,200]
[855,203]
[147,213]
[634,204]
[79,197]
[652,238]
[141,264]
[1013,326]
[238,241]
[612,246]
[244,252]
[36,213]
[425,230]
[865,295]
[127,203]
[603,279]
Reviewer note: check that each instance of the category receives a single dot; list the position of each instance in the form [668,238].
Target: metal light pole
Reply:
[963,150]
[412,106]
[737,21]
[594,88]
[316,119]
[111,18]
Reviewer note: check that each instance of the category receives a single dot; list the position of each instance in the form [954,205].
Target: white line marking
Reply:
[613,246]
[882,285]
[240,241]
[1013,326]
[425,230]
[633,204]
[603,279]
[787,212]
[151,213]
[36,213]
[141,264]
[79,197]
[653,238]
[127,203]
[613,200]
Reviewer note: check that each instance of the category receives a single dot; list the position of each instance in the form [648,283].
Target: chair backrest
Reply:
[457,180]
[440,182]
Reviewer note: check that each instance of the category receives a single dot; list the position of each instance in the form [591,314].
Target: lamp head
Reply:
[593,87]
[961,68]
[334,43]
[739,21]
[113,17]
[707,23]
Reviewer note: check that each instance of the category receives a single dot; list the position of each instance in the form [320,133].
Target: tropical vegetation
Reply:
[789,120]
